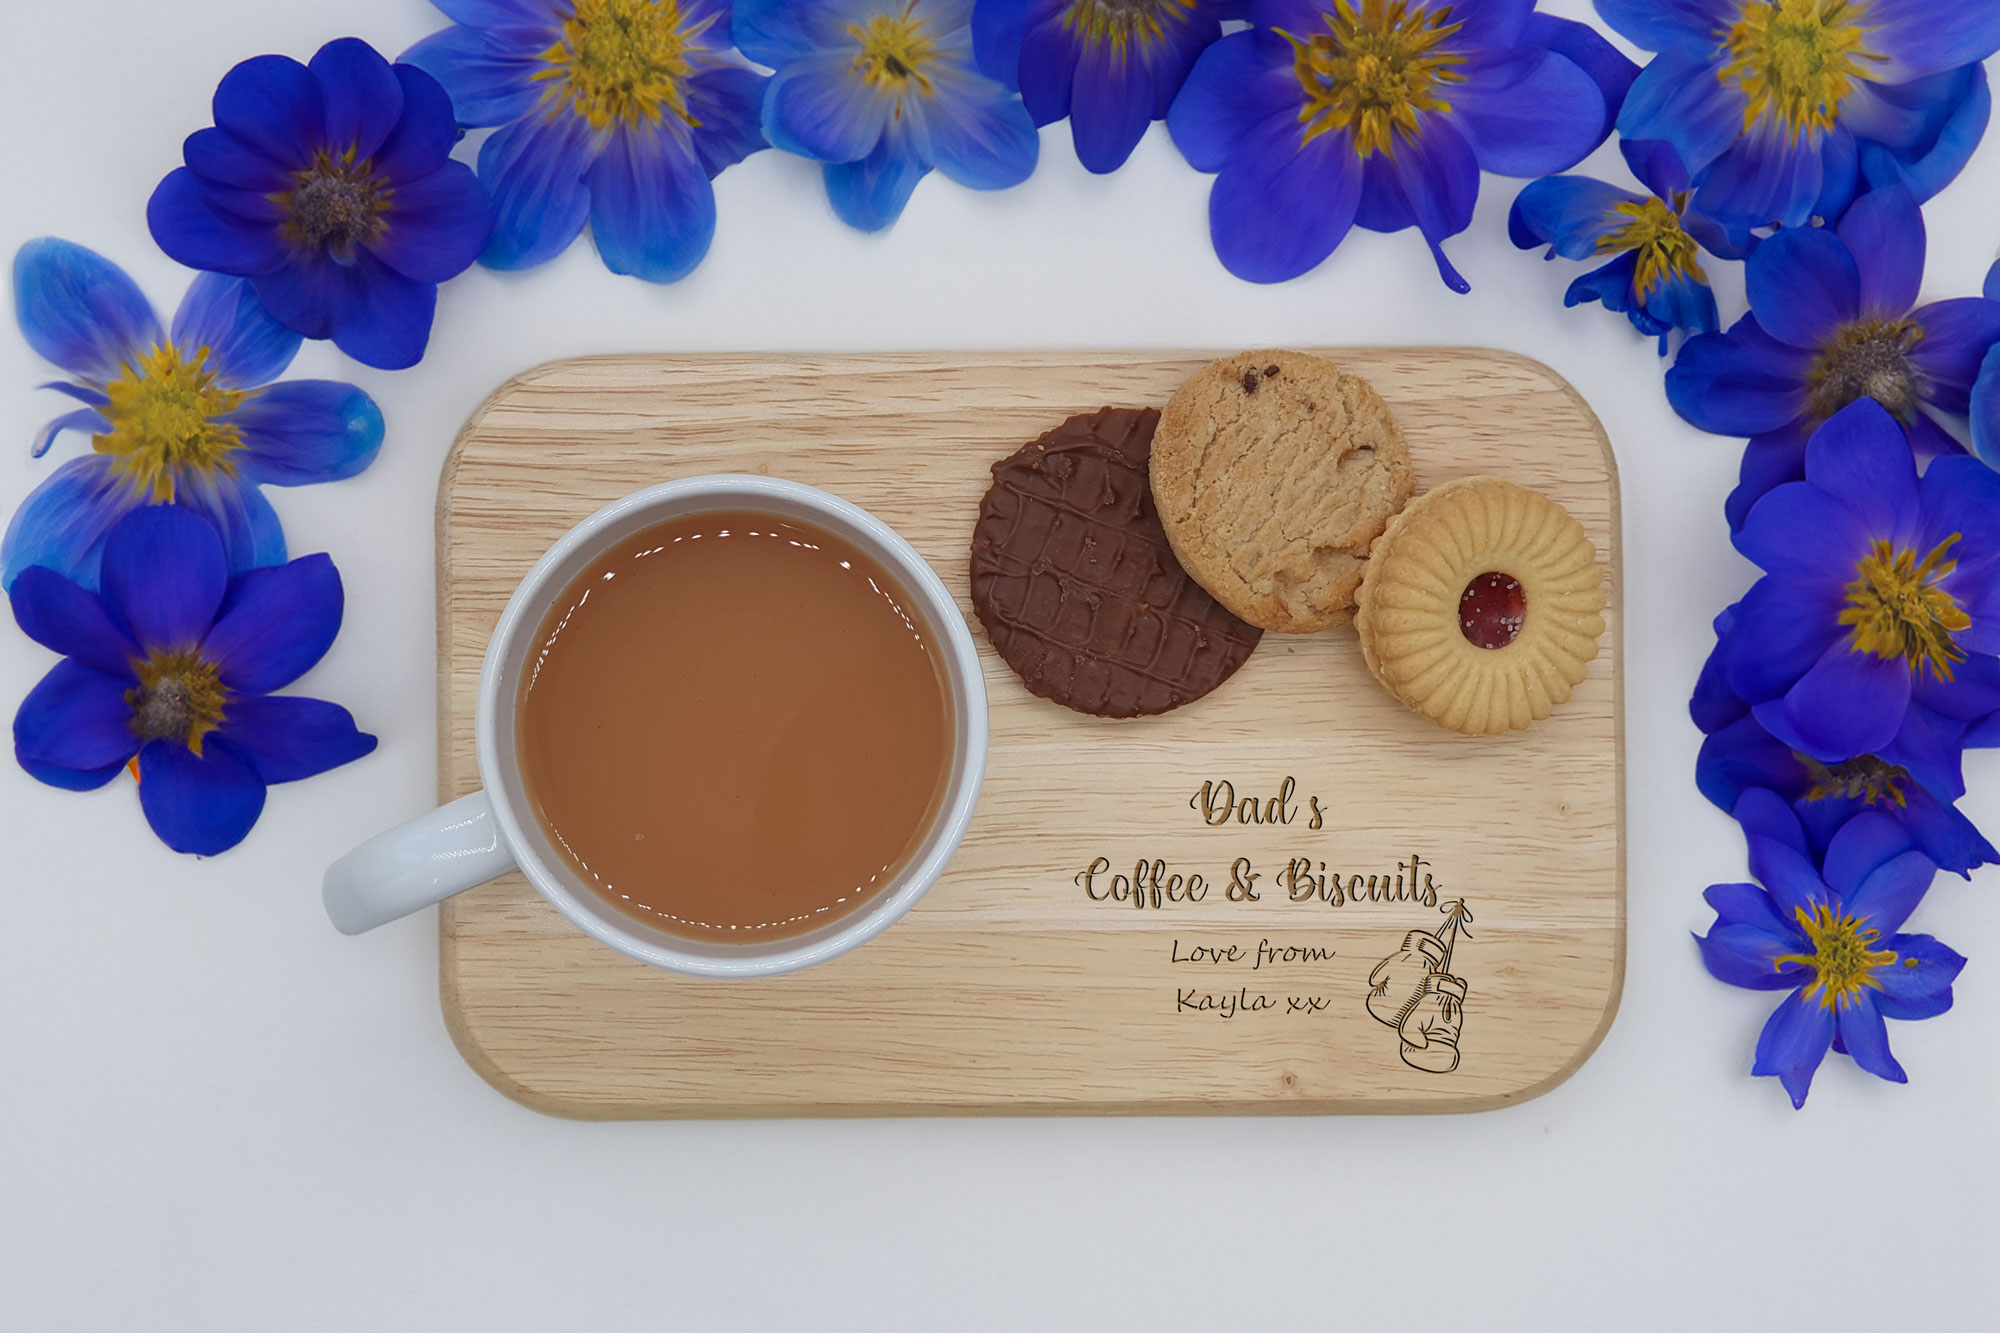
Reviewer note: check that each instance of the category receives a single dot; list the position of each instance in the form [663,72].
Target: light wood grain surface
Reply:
[1008,989]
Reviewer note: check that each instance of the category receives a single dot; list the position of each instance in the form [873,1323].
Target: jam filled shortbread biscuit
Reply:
[1273,472]
[1481,606]
[1076,585]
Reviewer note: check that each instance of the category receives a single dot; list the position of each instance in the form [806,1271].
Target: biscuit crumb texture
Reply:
[1273,472]
[1409,606]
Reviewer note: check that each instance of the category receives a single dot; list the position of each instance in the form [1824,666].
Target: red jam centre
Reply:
[1491,609]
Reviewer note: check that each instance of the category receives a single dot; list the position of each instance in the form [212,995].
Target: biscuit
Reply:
[1273,471]
[1481,606]
[1075,583]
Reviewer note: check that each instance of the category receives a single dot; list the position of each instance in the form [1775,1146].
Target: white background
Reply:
[216,1113]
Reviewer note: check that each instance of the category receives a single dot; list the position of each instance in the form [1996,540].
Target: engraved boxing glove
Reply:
[1397,981]
[1430,1028]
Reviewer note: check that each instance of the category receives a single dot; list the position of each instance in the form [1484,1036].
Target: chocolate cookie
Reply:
[1273,472]
[1076,585]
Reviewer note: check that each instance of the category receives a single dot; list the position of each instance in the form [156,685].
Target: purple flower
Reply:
[1830,937]
[1111,66]
[618,112]
[1875,581]
[881,91]
[1654,277]
[1831,323]
[1786,109]
[1381,113]
[174,665]
[332,189]
[189,418]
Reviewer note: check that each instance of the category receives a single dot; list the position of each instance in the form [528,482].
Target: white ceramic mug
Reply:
[491,832]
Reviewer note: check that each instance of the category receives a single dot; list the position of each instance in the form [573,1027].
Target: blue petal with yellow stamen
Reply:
[1111,69]
[1784,109]
[615,112]
[1308,139]
[172,664]
[188,417]
[331,188]
[1829,937]
[881,92]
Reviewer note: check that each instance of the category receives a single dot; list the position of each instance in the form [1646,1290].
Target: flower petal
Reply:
[487,80]
[194,229]
[1571,214]
[1239,98]
[214,154]
[820,108]
[1279,211]
[652,209]
[1860,458]
[1770,460]
[275,624]
[1794,1041]
[1547,121]
[1912,38]
[1892,891]
[389,323]
[1787,874]
[1769,176]
[1858,848]
[85,420]
[68,779]
[1799,531]
[305,431]
[1884,234]
[1746,956]
[68,620]
[1111,107]
[288,738]
[1434,178]
[534,170]
[164,576]
[976,133]
[1918,984]
[1743,757]
[1783,629]
[772,32]
[437,225]
[1588,50]
[729,103]
[1866,1038]
[1958,334]
[1045,65]
[76,718]
[239,513]
[423,139]
[79,310]
[1680,100]
[273,104]
[1984,407]
[1746,905]
[1959,105]
[1667,25]
[362,97]
[1803,284]
[520,14]
[1849,703]
[63,521]
[199,804]
[222,316]
[870,194]
[1743,382]
[997,29]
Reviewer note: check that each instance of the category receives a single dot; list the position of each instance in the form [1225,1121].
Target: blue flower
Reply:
[174,665]
[1381,113]
[615,111]
[1111,66]
[1655,276]
[1985,402]
[189,418]
[881,91]
[1786,109]
[1915,779]
[1830,323]
[331,187]
[1875,581]
[1830,937]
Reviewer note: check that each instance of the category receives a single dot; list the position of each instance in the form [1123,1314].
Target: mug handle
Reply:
[453,848]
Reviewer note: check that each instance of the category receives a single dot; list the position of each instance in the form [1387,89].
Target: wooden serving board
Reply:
[1025,981]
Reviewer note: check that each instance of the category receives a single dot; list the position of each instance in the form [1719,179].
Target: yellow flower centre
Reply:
[179,698]
[1869,358]
[1376,67]
[1865,777]
[1843,957]
[894,50]
[1796,60]
[165,417]
[1896,609]
[335,204]
[1123,24]
[622,62]
[1665,249]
